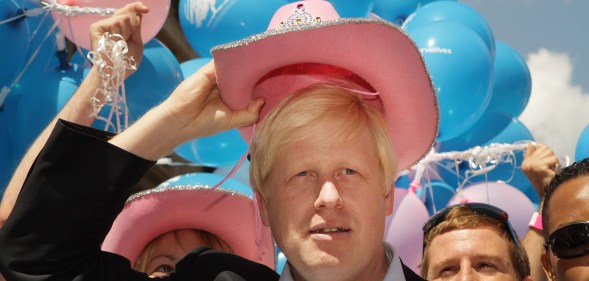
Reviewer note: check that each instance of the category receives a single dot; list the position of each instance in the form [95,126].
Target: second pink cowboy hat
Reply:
[307,42]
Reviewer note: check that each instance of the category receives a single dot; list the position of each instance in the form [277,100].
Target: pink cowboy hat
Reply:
[307,42]
[227,214]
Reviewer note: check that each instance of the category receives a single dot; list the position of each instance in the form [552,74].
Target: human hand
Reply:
[539,165]
[198,110]
[127,23]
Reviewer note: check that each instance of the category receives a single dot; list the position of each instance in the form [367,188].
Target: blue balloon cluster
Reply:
[13,54]
[513,82]
[461,68]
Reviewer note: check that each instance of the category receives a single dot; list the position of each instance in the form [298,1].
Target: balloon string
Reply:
[257,217]
[25,13]
[76,10]
[112,49]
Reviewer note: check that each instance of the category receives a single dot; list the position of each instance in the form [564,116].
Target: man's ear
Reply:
[390,201]
[261,205]
[547,265]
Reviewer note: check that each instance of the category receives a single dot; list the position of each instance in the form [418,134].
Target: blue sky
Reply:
[552,36]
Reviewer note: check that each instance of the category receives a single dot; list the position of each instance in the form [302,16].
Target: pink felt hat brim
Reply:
[226,214]
[373,49]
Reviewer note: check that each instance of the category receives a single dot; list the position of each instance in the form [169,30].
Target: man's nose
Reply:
[328,197]
[467,274]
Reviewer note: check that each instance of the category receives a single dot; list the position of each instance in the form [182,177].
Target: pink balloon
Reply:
[405,230]
[504,196]
[77,28]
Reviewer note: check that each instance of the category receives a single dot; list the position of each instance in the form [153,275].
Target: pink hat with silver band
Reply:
[307,42]
[228,214]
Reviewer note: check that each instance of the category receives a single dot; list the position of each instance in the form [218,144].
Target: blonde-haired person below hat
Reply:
[160,256]
[160,226]
[323,168]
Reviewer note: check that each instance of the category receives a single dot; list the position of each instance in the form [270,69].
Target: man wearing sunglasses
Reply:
[565,218]
[472,241]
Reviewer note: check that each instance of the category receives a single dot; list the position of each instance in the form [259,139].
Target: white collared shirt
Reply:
[394,272]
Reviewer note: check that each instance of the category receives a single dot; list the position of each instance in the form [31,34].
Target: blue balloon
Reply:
[156,78]
[582,149]
[437,195]
[189,67]
[403,182]
[221,149]
[455,12]
[490,124]
[15,42]
[397,11]
[511,173]
[43,93]
[201,178]
[209,23]
[353,9]
[513,82]
[461,68]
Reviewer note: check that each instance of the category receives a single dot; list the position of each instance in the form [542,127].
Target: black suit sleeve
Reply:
[74,191]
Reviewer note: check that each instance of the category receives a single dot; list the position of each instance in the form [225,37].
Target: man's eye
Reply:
[348,171]
[448,271]
[488,267]
[302,174]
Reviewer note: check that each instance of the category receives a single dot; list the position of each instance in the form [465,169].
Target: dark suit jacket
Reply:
[72,194]
[410,275]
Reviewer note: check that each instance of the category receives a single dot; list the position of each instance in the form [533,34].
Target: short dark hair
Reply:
[576,170]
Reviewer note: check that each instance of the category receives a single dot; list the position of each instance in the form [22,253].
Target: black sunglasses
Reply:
[480,209]
[570,241]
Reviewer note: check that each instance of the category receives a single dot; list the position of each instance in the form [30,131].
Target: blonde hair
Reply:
[294,119]
[210,240]
[462,217]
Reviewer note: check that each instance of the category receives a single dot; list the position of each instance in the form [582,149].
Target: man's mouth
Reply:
[330,230]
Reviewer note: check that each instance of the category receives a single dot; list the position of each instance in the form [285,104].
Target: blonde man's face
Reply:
[325,205]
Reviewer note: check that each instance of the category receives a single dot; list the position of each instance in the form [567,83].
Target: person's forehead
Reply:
[569,203]
[474,242]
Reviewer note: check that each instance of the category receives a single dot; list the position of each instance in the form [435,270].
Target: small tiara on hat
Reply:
[299,18]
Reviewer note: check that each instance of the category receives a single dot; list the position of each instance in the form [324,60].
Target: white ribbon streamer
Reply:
[112,62]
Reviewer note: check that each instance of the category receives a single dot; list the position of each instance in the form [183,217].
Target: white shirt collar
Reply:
[394,272]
